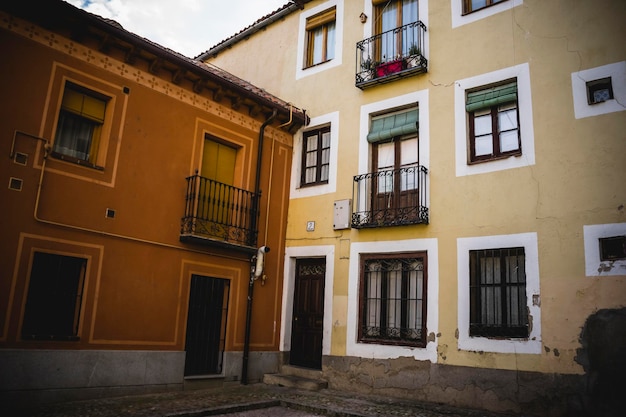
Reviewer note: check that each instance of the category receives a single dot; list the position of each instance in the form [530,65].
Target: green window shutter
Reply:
[399,124]
[491,97]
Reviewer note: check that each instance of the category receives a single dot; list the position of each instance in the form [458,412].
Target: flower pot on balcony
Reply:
[388,68]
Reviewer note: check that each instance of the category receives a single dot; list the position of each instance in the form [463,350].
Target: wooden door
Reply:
[308,313]
[206,325]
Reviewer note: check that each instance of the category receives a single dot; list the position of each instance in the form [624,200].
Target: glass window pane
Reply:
[318,37]
[484,145]
[330,43]
[507,119]
[509,141]
[482,124]
[408,151]
[477,4]
[310,175]
[386,155]
[311,143]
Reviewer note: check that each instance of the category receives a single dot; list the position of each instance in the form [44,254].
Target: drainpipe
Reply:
[257,181]
[257,261]
[257,264]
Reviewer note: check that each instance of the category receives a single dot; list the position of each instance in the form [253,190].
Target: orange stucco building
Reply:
[138,186]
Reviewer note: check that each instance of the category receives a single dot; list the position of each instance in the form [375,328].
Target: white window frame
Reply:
[302,39]
[531,345]
[582,108]
[296,191]
[594,267]
[458,19]
[379,351]
[524,107]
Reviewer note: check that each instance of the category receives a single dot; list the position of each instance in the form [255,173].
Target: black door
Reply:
[308,313]
[206,325]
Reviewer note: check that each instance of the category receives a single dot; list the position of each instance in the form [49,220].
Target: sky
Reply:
[189,27]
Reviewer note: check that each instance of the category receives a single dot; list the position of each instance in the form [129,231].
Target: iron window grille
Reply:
[393,299]
[498,304]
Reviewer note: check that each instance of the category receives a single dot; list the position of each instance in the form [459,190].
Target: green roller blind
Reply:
[491,97]
[399,124]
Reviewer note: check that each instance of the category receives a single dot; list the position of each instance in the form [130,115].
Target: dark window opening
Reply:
[498,306]
[612,248]
[55,293]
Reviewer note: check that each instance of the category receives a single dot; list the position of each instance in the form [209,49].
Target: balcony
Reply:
[391,55]
[218,214]
[390,198]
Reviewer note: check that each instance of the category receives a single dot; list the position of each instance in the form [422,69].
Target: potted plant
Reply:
[367,69]
[414,56]
[389,67]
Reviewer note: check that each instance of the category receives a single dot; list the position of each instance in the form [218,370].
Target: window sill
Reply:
[316,65]
[76,161]
[496,158]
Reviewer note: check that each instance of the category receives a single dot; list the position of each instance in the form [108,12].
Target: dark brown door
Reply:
[308,313]
[206,325]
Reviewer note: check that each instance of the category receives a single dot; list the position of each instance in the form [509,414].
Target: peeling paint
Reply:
[431,337]
[456,334]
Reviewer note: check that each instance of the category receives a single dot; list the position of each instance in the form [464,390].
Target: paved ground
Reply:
[256,400]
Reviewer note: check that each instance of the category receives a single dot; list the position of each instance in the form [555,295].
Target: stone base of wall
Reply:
[44,376]
[530,393]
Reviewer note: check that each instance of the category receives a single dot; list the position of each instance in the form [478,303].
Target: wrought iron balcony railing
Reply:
[390,55]
[219,212]
[390,198]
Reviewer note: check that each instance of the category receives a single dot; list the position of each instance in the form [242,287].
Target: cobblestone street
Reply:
[257,400]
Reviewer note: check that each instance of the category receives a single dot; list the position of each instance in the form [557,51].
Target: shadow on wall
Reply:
[603,357]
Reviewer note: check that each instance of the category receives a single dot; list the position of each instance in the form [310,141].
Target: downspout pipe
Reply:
[257,180]
[256,263]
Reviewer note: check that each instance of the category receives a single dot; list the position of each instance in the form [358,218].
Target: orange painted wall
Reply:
[137,285]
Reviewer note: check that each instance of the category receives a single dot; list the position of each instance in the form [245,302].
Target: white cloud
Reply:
[189,27]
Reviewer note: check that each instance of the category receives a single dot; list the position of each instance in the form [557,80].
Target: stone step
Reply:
[295,381]
[301,372]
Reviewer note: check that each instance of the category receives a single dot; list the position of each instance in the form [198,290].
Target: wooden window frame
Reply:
[502,290]
[467,6]
[70,118]
[403,339]
[493,111]
[319,160]
[321,21]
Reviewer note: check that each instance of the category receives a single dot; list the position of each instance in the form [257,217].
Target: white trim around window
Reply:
[528,241]
[617,72]
[458,19]
[291,255]
[332,120]
[369,350]
[527,135]
[594,267]
[301,51]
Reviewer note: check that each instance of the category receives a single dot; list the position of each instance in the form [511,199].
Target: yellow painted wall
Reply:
[577,179]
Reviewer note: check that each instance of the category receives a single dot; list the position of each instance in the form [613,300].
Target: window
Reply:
[395,162]
[320,31]
[473,5]
[599,91]
[388,17]
[315,157]
[392,299]
[493,122]
[612,248]
[80,124]
[498,305]
[54,297]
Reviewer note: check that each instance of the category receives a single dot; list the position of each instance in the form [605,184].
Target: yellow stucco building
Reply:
[456,219]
